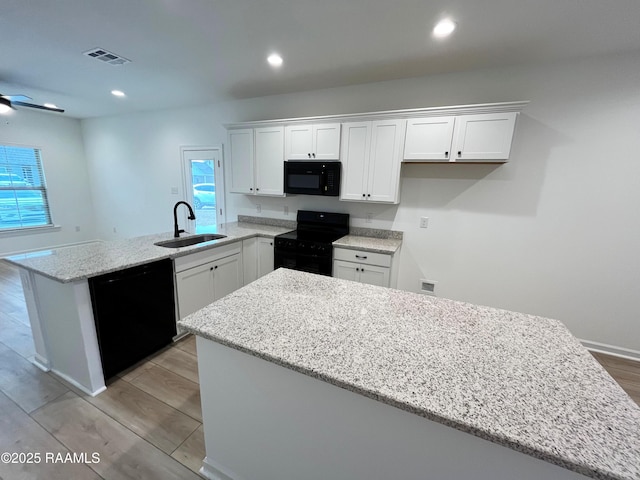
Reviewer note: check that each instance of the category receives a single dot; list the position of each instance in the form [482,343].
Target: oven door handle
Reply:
[323,181]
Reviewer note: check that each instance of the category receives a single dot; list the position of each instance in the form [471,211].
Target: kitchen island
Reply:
[57,294]
[304,376]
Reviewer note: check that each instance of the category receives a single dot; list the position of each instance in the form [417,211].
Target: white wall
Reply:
[65,168]
[554,232]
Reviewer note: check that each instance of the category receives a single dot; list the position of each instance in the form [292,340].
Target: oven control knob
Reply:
[312,246]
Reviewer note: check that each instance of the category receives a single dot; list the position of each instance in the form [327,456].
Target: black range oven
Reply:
[309,248]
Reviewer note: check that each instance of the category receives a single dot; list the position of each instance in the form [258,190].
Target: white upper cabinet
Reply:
[257,160]
[484,137]
[269,161]
[464,138]
[240,144]
[429,139]
[371,156]
[312,142]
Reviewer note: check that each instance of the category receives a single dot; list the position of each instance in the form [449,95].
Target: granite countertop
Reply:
[69,264]
[518,380]
[371,244]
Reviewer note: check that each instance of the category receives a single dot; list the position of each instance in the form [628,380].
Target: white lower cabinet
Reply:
[365,267]
[257,256]
[361,272]
[206,276]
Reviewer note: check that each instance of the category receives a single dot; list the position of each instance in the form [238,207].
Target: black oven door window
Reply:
[321,265]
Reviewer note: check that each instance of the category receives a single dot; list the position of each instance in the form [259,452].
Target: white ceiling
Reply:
[191,52]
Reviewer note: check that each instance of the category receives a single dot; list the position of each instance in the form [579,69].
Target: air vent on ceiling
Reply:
[106,56]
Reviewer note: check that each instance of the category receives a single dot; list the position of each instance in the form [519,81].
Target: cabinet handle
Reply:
[446,154]
[309,155]
[460,153]
[257,189]
[361,256]
[314,155]
[363,195]
[211,269]
[357,269]
[271,243]
[251,189]
[368,195]
[216,267]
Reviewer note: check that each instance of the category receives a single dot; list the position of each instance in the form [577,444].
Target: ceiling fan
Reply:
[8,102]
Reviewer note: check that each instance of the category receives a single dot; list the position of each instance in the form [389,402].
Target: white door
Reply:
[346,270]
[227,276]
[203,182]
[374,275]
[326,141]
[269,155]
[484,137]
[298,141]
[240,145]
[429,139]
[356,141]
[265,256]
[195,289]
[387,137]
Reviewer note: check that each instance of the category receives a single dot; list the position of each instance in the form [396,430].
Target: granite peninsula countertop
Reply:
[521,381]
[73,263]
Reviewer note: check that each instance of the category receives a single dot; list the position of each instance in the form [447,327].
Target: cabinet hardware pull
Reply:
[309,155]
[251,189]
[357,269]
[368,194]
[314,155]
[257,189]
[362,257]
[446,154]
[460,153]
[216,266]
[363,195]
[211,269]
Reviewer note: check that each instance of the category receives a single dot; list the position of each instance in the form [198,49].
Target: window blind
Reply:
[23,191]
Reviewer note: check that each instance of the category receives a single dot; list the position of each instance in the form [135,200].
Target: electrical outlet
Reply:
[424,222]
[286,210]
[258,208]
[115,230]
[428,287]
[369,217]
[77,228]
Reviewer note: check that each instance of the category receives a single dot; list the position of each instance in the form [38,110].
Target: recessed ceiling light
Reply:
[50,105]
[117,93]
[274,60]
[444,28]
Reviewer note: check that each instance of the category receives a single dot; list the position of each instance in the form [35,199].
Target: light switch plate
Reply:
[424,222]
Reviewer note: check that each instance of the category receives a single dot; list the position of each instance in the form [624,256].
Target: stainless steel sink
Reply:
[186,241]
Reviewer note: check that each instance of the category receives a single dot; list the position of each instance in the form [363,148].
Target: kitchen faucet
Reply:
[192,216]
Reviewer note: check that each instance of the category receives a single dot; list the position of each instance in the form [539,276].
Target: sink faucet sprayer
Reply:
[192,216]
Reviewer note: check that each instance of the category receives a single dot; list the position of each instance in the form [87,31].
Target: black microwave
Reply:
[312,178]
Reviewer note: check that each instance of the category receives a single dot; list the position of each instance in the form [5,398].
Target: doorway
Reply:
[203,178]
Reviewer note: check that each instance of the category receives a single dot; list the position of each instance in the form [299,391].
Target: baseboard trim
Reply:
[613,350]
[70,380]
[40,362]
[214,471]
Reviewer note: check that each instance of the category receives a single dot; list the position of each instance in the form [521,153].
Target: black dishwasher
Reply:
[134,312]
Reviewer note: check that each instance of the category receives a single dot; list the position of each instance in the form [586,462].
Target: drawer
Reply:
[362,256]
[205,256]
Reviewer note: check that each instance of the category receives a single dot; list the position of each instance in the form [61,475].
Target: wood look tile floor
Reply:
[146,425]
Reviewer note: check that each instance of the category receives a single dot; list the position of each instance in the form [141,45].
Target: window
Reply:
[204,187]
[23,192]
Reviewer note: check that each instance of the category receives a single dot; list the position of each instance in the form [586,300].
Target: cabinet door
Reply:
[265,256]
[298,142]
[227,276]
[387,138]
[195,289]
[429,139]
[326,141]
[240,143]
[373,275]
[249,260]
[346,270]
[269,161]
[484,137]
[356,143]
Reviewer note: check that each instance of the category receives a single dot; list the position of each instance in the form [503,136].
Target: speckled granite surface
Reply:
[69,264]
[375,233]
[371,244]
[517,380]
